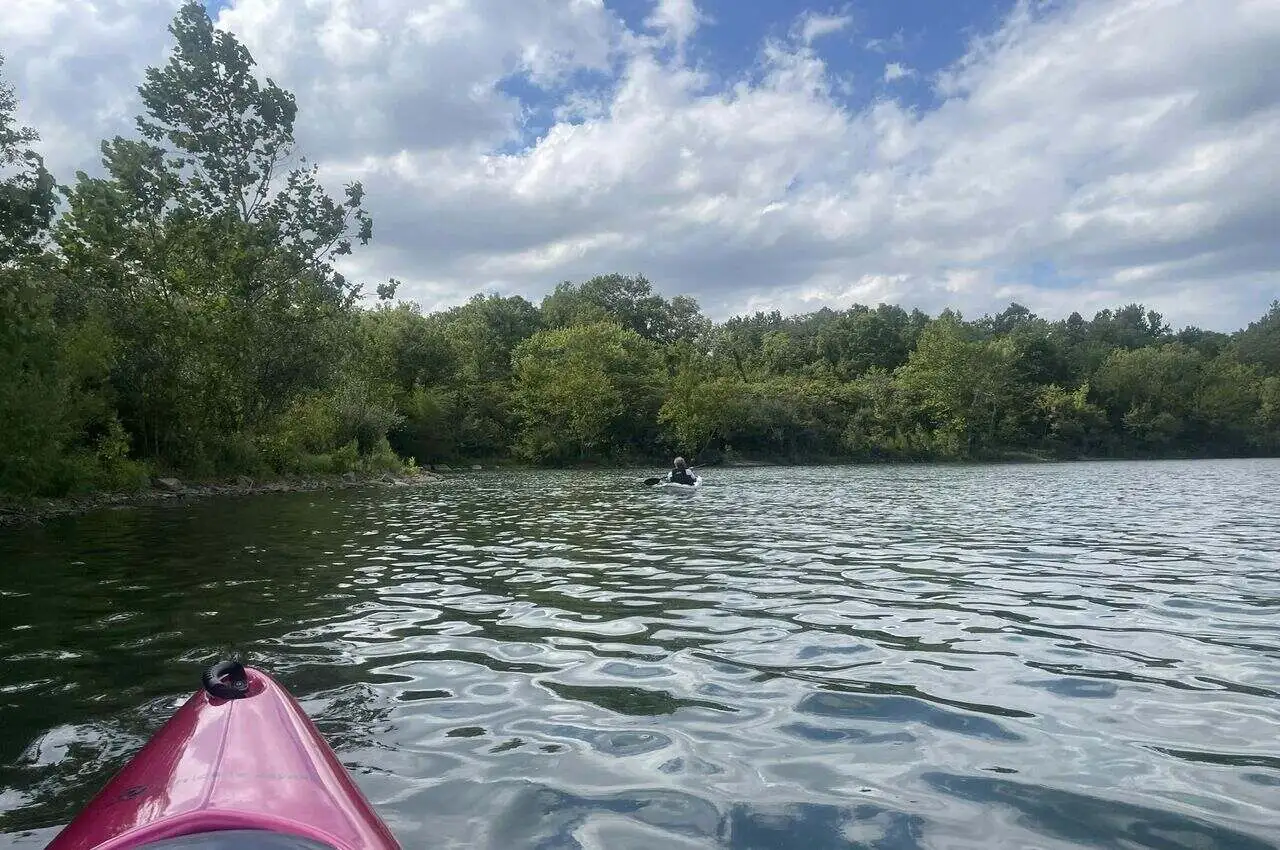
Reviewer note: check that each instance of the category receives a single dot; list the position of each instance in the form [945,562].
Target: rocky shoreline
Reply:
[174,491]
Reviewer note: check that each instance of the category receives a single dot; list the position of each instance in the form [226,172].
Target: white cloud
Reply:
[895,71]
[1133,144]
[75,66]
[892,44]
[815,25]
[678,19]
[377,78]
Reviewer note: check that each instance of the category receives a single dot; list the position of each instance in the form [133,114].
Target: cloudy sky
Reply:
[1067,154]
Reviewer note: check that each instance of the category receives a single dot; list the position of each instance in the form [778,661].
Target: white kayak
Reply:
[681,489]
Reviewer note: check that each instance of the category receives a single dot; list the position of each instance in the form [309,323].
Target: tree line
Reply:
[183,313]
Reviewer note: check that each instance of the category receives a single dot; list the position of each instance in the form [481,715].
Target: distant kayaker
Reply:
[682,474]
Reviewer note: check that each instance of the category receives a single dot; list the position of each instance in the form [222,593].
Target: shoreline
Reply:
[172,491]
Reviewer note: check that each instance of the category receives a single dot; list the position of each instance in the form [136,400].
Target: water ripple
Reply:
[1051,656]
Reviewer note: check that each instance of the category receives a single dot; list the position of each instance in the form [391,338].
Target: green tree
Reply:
[419,362]
[27,198]
[1075,426]
[863,339]
[585,391]
[1266,422]
[485,331]
[1148,394]
[629,301]
[1225,406]
[476,400]
[1208,343]
[700,408]
[1259,343]
[882,424]
[213,266]
[58,430]
[968,389]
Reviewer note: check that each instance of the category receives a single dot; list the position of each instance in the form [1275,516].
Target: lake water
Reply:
[1048,656]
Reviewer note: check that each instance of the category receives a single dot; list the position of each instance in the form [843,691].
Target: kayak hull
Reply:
[255,762]
[681,489]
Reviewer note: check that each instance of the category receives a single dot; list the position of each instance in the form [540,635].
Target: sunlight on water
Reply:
[1042,656]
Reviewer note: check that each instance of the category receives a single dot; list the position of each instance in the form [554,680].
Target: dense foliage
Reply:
[182,313]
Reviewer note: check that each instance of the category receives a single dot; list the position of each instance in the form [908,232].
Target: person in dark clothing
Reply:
[682,474]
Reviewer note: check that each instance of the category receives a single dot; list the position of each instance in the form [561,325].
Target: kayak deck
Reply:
[221,766]
[236,839]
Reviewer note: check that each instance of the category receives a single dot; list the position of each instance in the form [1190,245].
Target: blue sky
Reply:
[926,35]
[1071,155]
[923,36]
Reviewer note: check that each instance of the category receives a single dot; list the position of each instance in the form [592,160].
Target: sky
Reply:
[1070,155]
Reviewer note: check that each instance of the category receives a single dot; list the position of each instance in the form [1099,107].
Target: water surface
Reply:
[1049,656]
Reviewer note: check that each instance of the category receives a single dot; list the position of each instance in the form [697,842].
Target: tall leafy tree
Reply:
[1260,342]
[31,430]
[27,199]
[629,301]
[213,258]
[584,391]
[968,387]
[1149,392]
[58,431]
